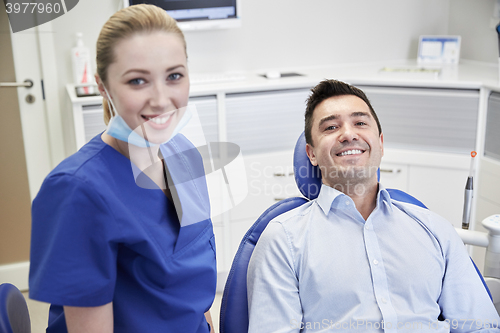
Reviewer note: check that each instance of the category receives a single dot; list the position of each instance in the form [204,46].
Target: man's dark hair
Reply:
[331,88]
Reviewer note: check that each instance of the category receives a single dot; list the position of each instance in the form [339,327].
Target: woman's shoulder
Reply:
[93,158]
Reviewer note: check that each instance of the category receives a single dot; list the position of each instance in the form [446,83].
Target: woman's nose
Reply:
[160,97]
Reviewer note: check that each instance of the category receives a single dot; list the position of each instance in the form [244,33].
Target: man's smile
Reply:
[351,152]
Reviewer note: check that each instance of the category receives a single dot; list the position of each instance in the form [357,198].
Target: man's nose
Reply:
[348,133]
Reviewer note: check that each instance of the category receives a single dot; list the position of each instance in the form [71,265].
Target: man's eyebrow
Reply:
[360,114]
[328,118]
[335,116]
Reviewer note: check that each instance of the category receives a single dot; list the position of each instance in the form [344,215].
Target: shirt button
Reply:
[383,300]
[375,262]
[367,226]
[347,203]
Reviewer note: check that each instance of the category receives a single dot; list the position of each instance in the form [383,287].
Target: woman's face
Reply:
[149,80]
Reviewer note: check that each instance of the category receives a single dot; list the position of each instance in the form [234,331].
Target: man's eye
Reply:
[175,76]
[136,82]
[331,128]
[360,123]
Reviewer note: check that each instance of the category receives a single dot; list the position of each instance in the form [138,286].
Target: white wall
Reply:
[283,33]
[295,33]
[472,20]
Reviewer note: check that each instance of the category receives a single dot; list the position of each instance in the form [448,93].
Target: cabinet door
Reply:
[263,122]
[440,189]
[93,121]
[492,139]
[270,179]
[427,119]
[206,108]
[393,175]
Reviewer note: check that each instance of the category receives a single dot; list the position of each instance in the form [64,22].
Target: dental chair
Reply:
[14,315]
[234,306]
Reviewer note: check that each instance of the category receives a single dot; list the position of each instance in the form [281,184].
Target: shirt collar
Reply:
[383,196]
[328,195]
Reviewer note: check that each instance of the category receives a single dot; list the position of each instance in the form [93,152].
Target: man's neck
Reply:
[366,203]
[363,194]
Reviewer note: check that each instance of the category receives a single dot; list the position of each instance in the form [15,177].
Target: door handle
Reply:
[27,84]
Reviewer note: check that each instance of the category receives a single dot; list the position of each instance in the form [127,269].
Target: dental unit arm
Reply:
[491,241]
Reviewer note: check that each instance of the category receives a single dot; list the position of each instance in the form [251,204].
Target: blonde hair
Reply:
[123,24]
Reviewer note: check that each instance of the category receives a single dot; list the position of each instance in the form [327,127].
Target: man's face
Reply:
[346,142]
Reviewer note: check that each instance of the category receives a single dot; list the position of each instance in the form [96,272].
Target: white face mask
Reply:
[119,129]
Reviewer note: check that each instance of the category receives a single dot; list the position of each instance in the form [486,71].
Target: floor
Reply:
[39,313]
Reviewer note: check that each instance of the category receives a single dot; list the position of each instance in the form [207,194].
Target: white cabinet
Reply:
[394,175]
[261,122]
[426,119]
[440,189]
[488,186]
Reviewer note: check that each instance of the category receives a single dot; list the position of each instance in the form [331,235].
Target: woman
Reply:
[110,255]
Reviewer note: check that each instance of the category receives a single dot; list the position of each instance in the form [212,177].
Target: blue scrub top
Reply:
[97,238]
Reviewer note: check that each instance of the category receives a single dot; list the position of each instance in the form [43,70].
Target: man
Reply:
[353,259]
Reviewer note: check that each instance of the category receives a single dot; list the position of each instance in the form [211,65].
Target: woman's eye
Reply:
[136,82]
[175,76]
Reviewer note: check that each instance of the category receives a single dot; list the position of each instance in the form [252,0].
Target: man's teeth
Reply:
[350,152]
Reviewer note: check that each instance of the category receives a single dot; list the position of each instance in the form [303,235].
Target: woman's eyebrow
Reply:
[175,67]
[142,71]
[145,71]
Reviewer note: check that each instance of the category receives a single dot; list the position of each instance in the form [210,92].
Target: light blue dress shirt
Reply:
[322,268]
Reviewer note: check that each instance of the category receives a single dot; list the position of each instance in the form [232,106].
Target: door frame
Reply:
[34,58]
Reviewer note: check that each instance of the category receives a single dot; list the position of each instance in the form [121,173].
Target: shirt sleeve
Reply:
[464,301]
[73,255]
[273,288]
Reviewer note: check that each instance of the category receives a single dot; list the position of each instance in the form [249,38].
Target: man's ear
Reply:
[310,154]
[100,86]
[382,142]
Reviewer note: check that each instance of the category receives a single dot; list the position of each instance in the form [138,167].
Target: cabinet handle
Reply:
[281,174]
[279,199]
[390,170]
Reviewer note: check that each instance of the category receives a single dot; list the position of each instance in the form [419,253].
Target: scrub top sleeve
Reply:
[73,247]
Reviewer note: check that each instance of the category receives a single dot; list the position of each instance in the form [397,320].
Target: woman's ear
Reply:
[100,86]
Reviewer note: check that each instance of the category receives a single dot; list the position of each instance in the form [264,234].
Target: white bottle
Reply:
[82,72]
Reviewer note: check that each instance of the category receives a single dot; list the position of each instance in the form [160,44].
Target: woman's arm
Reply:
[98,319]
[209,321]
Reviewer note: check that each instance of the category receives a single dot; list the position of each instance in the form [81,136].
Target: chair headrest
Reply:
[307,176]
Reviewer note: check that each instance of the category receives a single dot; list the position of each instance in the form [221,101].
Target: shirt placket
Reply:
[379,278]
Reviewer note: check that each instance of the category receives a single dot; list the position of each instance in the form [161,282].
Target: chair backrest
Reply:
[14,315]
[234,307]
